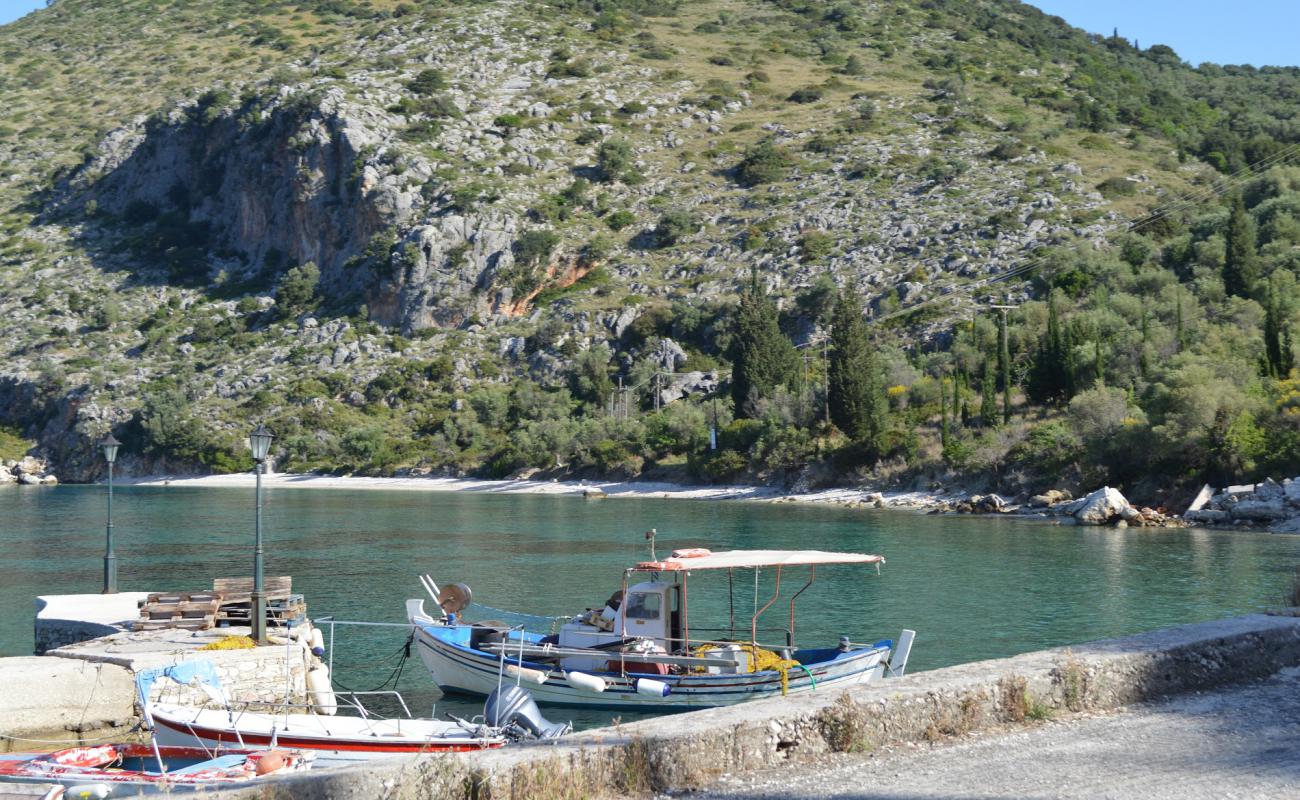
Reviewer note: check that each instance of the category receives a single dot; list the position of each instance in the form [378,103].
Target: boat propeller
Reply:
[514,709]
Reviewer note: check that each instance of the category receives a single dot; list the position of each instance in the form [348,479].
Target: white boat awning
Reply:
[699,558]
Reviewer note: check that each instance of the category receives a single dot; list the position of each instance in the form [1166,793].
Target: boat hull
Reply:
[334,740]
[462,670]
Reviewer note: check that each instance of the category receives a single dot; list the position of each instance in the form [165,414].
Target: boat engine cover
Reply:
[513,705]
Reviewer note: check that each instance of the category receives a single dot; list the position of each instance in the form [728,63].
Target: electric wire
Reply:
[1218,188]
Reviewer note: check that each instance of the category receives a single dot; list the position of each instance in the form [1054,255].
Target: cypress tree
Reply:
[1278,357]
[1240,264]
[1180,335]
[943,411]
[855,387]
[1004,367]
[988,396]
[1051,377]
[762,357]
[957,420]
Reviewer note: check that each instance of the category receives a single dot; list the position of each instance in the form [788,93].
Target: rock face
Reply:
[440,268]
[282,180]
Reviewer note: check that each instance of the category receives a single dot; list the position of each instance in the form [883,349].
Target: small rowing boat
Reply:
[128,770]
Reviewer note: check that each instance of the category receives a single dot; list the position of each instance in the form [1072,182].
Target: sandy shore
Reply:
[613,489]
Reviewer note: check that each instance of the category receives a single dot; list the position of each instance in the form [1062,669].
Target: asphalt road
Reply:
[1240,743]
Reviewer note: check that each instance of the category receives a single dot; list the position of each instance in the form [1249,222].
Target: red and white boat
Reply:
[129,770]
[333,739]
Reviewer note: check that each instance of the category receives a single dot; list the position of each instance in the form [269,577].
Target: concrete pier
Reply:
[82,689]
[691,751]
[63,619]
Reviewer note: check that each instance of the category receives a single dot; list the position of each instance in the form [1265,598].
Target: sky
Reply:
[1255,32]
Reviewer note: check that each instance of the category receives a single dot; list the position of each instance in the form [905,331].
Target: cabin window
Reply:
[643,606]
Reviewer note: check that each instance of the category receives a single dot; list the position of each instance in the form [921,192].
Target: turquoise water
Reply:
[972,588]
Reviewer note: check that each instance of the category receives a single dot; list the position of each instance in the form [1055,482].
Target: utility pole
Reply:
[1004,361]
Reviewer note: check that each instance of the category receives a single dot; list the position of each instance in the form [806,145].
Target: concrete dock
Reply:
[692,752]
[82,689]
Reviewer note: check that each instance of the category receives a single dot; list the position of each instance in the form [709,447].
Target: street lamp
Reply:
[260,442]
[109,445]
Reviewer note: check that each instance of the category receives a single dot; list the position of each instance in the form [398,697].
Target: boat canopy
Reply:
[700,558]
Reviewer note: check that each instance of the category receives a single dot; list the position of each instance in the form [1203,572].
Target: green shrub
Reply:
[808,94]
[427,82]
[673,226]
[765,162]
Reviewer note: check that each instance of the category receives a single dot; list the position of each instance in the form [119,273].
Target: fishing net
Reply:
[760,660]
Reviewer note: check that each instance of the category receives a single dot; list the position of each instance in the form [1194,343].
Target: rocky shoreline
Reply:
[28,471]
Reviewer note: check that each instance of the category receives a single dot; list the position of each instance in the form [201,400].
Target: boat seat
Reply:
[220,762]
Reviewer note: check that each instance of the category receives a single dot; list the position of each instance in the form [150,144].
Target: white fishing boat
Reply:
[332,738]
[638,650]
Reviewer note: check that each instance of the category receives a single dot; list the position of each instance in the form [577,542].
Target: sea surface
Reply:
[972,588]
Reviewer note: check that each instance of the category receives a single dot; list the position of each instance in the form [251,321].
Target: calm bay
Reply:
[972,588]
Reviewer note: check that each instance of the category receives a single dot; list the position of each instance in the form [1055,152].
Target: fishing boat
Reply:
[332,738]
[128,770]
[638,651]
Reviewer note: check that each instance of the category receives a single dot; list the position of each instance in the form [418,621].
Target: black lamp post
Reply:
[260,442]
[109,445]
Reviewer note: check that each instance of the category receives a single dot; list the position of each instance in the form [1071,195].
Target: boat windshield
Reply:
[643,605]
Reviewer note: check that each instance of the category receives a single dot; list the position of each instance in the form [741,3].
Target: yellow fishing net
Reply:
[760,660]
[230,643]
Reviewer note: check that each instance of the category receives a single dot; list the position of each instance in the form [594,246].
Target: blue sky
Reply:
[1225,31]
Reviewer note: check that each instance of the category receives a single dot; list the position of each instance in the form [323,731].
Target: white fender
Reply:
[321,691]
[581,680]
[524,673]
[652,687]
[317,640]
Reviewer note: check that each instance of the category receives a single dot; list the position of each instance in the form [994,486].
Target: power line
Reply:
[1186,201]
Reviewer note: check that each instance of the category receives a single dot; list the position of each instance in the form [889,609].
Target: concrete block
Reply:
[46,698]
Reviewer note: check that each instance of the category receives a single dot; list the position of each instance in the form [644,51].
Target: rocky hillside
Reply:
[367,221]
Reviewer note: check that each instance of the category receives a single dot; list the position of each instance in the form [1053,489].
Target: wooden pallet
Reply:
[188,610]
[240,590]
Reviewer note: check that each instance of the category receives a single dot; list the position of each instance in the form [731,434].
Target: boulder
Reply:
[1206,516]
[1268,490]
[6,476]
[1259,511]
[1050,498]
[1101,506]
[1292,492]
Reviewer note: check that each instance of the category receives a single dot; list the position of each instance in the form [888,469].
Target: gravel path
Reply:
[1239,743]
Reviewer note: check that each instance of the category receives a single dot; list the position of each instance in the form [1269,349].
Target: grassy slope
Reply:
[74,71]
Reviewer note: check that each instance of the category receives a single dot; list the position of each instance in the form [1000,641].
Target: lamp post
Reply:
[260,442]
[109,445]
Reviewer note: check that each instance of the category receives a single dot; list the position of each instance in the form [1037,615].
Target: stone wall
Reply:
[681,752]
[263,676]
[52,634]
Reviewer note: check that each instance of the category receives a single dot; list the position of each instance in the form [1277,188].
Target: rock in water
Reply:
[1101,507]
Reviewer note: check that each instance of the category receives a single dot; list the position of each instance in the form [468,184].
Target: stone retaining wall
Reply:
[688,751]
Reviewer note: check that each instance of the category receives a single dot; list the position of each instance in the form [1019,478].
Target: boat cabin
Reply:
[650,611]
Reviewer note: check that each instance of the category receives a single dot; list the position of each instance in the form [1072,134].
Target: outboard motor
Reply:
[512,707]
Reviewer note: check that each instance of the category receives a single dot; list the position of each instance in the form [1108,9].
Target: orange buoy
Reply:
[270,761]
